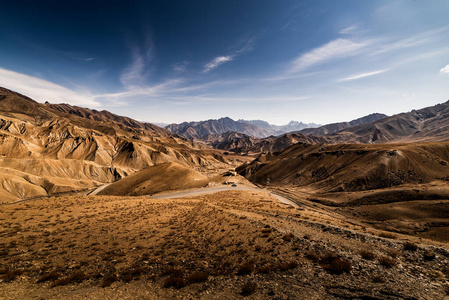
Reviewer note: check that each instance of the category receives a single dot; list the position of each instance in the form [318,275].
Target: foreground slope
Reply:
[228,245]
[46,148]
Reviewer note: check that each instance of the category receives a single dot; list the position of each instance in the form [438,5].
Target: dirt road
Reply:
[211,190]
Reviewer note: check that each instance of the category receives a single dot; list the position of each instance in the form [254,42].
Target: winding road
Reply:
[211,190]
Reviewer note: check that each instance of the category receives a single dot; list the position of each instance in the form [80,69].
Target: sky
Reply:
[170,61]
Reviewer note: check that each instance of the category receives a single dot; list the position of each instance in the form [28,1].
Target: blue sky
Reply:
[172,61]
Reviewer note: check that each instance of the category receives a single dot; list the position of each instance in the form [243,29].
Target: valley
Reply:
[95,205]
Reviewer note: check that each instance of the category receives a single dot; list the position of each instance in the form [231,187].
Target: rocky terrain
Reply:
[366,221]
[334,127]
[429,124]
[199,130]
[228,245]
[395,187]
[281,129]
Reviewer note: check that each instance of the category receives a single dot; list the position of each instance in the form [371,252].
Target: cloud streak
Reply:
[339,48]
[42,90]
[363,75]
[216,62]
[445,70]
[219,60]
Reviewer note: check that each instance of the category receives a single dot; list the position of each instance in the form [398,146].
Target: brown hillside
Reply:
[351,167]
[65,148]
[156,179]
[429,124]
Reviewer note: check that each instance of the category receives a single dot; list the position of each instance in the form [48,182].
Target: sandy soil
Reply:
[226,245]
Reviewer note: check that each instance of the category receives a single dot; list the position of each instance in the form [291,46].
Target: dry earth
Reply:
[221,246]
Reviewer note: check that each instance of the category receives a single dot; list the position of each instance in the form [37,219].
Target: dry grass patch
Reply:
[387,261]
[334,264]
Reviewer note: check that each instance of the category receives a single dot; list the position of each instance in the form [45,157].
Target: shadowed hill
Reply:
[334,127]
[351,167]
[430,124]
[155,179]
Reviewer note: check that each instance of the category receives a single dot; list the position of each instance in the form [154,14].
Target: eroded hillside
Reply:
[46,149]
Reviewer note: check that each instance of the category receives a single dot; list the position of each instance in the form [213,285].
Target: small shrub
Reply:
[367,254]
[197,277]
[10,275]
[248,288]
[52,276]
[429,255]
[409,246]
[266,269]
[334,264]
[108,280]
[175,282]
[312,256]
[287,265]
[378,279]
[76,277]
[393,253]
[388,235]
[387,262]
[246,269]
[288,237]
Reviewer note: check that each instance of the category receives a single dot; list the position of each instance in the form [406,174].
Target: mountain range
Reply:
[253,128]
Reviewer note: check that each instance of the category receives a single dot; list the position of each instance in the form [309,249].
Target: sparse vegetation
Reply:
[246,268]
[409,246]
[248,288]
[76,277]
[198,277]
[288,237]
[387,262]
[367,254]
[51,276]
[335,264]
[10,275]
[108,280]
[196,244]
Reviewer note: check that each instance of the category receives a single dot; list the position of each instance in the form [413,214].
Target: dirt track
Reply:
[211,190]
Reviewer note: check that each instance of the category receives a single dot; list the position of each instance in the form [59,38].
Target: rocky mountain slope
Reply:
[428,124]
[243,144]
[281,129]
[46,148]
[199,130]
[351,167]
[334,127]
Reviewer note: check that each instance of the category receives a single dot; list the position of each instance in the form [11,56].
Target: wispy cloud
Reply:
[338,48]
[445,70]
[219,60]
[43,90]
[363,75]
[135,74]
[349,30]
[180,67]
